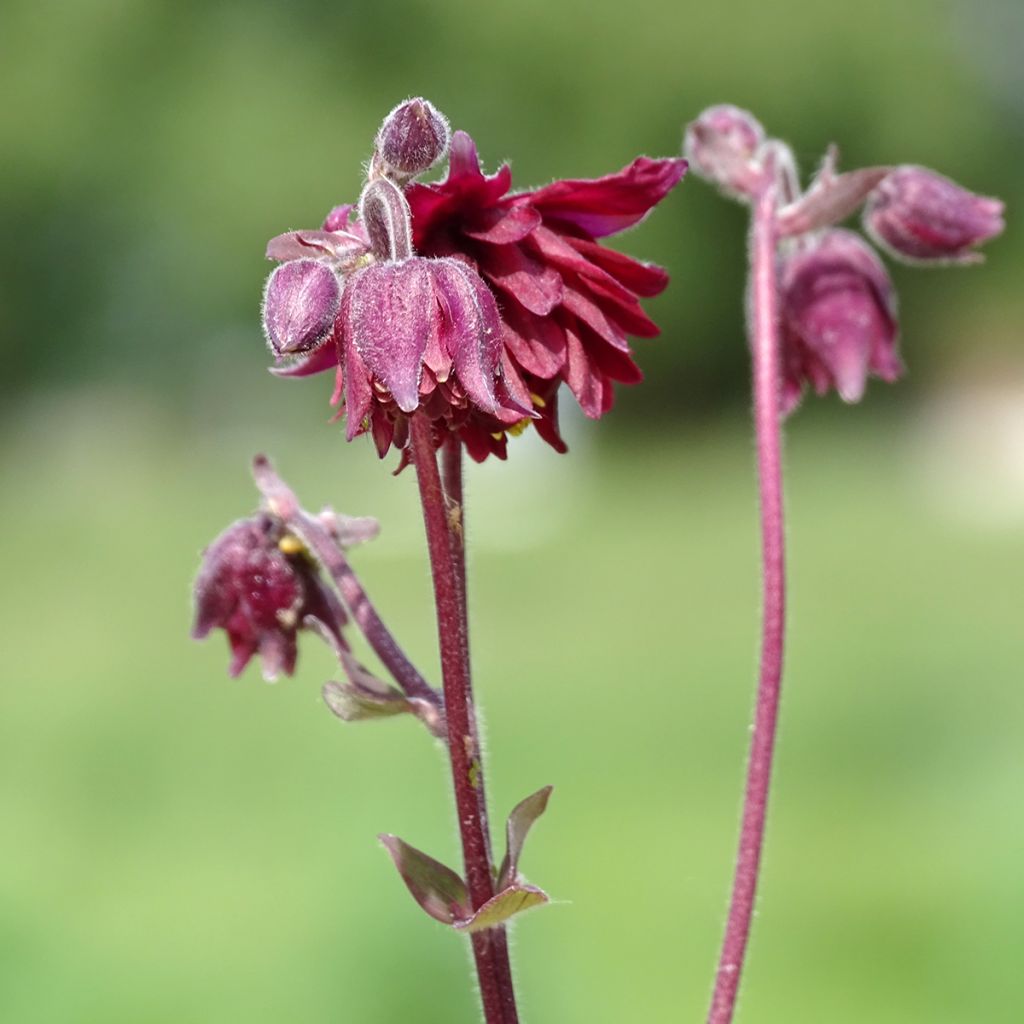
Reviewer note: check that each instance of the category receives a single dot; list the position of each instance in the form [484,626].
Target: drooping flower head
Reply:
[838,319]
[470,303]
[837,303]
[258,584]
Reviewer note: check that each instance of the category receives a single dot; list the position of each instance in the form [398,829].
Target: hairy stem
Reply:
[764,338]
[447,561]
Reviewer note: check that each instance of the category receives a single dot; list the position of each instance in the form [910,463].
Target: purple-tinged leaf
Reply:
[523,815]
[435,887]
[498,909]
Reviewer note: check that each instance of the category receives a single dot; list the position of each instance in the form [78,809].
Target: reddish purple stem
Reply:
[764,331]
[443,519]
[286,506]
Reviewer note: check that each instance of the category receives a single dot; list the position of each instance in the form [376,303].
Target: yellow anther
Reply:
[538,401]
[289,544]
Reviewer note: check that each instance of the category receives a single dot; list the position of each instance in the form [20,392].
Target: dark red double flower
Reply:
[567,304]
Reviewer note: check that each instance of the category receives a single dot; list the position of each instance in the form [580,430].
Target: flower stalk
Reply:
[282,502]
[447,562]
[764,339]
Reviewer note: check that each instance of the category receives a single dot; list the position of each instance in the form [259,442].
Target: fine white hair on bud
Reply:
[412,138]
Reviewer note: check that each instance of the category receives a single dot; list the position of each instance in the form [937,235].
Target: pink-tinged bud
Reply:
[920,216]
[299,306]
[258,584]
[722,146]
[838,319]
[413,137]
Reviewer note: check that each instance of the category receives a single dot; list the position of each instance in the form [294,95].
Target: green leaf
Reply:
[498,909]
[435,887]
[523,815]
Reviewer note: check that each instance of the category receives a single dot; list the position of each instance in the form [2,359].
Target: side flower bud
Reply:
[722,145]
[920,216]
[258,584]
[413,137]
[838,319]
[299,306]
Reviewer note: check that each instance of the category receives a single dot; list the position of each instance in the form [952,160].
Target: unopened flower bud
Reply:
[722,146]
[918,215]
[838,319]
[388,221]
[413,137]
[299,306]
[258,585]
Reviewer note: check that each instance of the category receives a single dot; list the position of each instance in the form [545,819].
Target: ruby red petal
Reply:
[593,316]
[603,206]
[503,225]
[581,378]
[533,285]
[643,279]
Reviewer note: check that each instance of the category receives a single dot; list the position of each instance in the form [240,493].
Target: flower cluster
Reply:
[462,300]
[838,303]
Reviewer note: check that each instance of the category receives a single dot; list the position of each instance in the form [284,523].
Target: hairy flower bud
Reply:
[258,585]
[838,319]
[920,216]
[387,219]
[299,306]
[722,145]
[413,137]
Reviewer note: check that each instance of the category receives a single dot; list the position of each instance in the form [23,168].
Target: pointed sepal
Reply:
[831,198]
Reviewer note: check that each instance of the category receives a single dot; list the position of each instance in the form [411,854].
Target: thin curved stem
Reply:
[447,563]
[764,337]
[285,505]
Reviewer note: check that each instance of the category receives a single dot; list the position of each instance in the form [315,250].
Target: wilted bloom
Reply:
[413,137]
[258,584]
[838,318]
[919,215]
[722,147]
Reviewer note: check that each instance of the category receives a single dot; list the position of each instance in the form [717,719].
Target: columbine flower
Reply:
[258,585]
[920,216]
[429,274]
[838,318]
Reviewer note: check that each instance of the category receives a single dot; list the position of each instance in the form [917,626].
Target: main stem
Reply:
[444,526]
[764,328]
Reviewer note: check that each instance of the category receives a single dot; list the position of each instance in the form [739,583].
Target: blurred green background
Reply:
[178,847]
